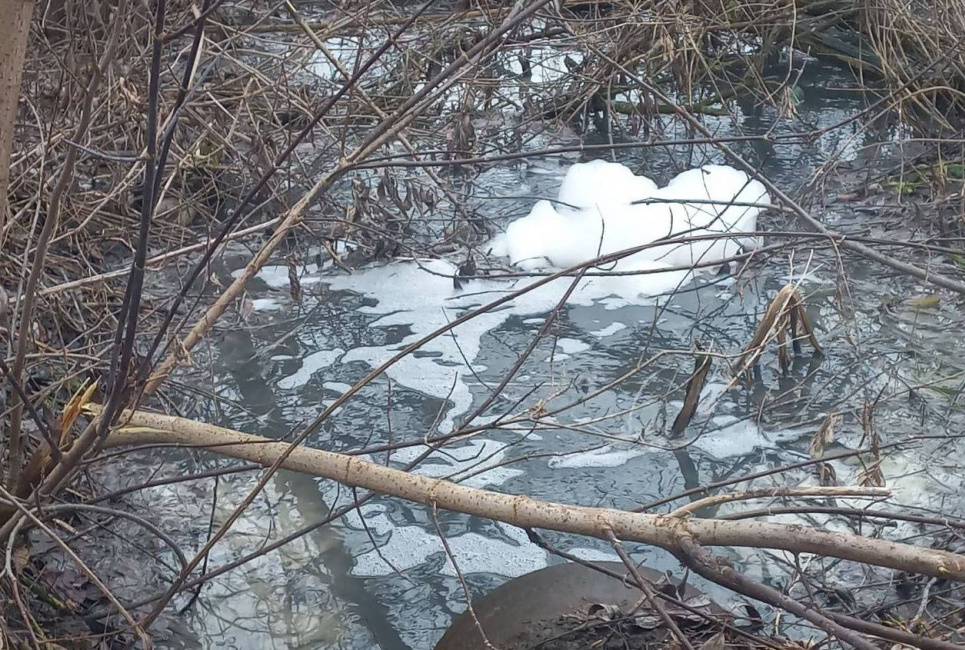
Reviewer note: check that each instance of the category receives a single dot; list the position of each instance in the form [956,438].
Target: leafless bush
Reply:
[152,137]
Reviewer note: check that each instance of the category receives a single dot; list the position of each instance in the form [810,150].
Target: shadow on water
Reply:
[332,566]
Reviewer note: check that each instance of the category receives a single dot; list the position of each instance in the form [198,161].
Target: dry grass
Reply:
[263,75]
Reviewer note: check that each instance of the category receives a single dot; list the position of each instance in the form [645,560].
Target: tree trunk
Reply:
[14,30]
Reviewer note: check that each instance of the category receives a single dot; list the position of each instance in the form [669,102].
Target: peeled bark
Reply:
[665,531]
[14,31]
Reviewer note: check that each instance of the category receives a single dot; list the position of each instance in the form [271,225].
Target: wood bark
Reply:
[665,531]
[14,33]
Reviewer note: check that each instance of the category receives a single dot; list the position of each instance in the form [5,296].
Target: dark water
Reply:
[275,370]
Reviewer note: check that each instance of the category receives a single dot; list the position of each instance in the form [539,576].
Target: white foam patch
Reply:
[571,346]
[609,330]
[265,304]
[411,546]
[594,555]
[732,436]
[336,386]
[478,460]
[605,456]
[604,208]
[310,365]
[420,295]
[276,277]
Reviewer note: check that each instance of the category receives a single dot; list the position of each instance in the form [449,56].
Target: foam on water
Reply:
[337,386]
[605,456]
[594,555]
[411,546]
[310,365]
[609,330]
[420,294]
[735,437]
[571,346]
[265,304]
[604,208]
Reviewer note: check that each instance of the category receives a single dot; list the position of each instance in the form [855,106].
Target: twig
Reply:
[692,555]
[386,130]
[526,512]
[145,639]
[766,493]
[122,351]
[647,590]
[462,581]
[16,449]
[31,410]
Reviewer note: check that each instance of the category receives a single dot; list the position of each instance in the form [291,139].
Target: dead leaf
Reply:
[603,611]
[692,398]
[648,622]
[823,437]
[21,557]
[872,476]
[73,409]
[715,642]
[698,601]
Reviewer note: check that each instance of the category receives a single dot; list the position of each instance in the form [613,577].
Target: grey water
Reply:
[380,578]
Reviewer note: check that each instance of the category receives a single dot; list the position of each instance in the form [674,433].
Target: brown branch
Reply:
[15,456]
[525,512]
[773,492]
[692,555]
[648,591]
[145,639]
[695,385]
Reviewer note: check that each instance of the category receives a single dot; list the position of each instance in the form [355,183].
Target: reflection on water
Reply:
[380,577]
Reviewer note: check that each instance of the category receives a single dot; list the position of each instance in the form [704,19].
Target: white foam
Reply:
[336,386]
[605,456]
[735,437]
[411,546]
[478,460]
[609,330]
[265,304]
[599,183]
[571,346]
[310,365]
[596,215]
[594,555]
[421,295]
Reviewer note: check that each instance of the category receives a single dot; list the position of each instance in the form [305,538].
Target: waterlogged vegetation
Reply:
[321,222]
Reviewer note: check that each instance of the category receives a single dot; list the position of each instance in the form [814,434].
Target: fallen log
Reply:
[665,531]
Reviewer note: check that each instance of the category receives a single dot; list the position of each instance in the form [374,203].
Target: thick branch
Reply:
[659,530]
[699,560]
